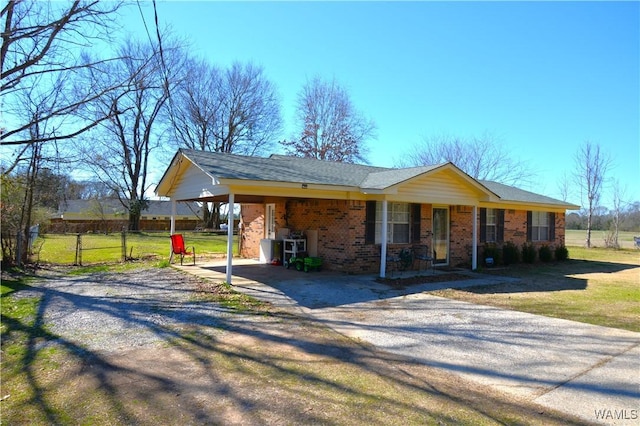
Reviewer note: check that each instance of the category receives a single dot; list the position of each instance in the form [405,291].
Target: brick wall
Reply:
[252,223]
[515,230]
[341,226]
[460,235]
[341,231]
[251,230]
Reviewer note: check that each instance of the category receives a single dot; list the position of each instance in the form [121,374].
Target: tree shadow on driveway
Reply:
[142,347]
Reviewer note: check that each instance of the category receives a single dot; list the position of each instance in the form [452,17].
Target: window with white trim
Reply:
[539,226]
[491,225]
[398,223]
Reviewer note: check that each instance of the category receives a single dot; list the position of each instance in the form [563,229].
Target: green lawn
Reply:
[576,238]
[596,286]
[100,248]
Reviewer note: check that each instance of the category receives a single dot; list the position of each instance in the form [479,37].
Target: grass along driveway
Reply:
[595,286]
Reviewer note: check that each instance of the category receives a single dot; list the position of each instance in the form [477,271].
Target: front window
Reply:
[398,218]
[539,226]
[491,225]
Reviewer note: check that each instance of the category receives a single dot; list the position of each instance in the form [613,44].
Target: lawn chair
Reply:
[401,260]
[421,254]
[178,247]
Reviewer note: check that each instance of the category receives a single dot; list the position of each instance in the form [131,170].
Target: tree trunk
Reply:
[134,221]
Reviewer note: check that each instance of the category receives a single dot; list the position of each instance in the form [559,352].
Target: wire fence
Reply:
[88,248]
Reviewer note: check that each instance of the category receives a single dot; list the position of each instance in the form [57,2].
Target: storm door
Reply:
[270,222]
[441,235]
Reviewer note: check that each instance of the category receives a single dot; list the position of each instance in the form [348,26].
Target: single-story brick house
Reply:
[342,205]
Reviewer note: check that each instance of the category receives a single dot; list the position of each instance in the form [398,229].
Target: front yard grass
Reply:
[595,286]
[101,248]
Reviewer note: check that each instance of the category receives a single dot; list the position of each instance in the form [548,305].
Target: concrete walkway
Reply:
[588,371]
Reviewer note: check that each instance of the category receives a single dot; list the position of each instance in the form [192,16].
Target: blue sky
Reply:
[541,77]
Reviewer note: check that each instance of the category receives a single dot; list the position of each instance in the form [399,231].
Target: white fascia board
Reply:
[520,205]
[236,183]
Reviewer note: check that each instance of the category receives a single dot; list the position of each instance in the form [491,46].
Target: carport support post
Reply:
[383,243]
[230,236]
[174,211]
[474,244]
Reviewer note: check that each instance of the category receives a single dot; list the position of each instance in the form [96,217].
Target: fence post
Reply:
[79,249]
[124,245]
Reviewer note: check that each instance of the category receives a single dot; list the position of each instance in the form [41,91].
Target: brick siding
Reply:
[341,231]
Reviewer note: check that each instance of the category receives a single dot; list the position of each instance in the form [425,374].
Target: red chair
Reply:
[178,247]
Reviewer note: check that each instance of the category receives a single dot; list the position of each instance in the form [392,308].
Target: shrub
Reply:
[510,254]
[528,253]
[562,253]
[545,254]
[491,250]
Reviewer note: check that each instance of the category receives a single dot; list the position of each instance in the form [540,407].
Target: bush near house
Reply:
[528,253]
[510,253]
[562,253]
[545,254]
[491,250]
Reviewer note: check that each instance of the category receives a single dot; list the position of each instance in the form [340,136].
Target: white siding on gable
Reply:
[194,183]
[445,187]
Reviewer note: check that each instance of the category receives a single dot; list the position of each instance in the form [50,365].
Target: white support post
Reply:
[474,244]
[174,212]
[230,236]
[383,245]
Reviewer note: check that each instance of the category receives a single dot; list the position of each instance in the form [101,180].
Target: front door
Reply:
[441,235]
[270,222]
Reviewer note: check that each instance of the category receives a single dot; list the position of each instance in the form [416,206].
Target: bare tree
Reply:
[249,115]
[119,150]
[564,186]
[330,128]
[613,234]
[30,163]
[591,168]
[482,158]
[41,45]
[235,110]
[196,105]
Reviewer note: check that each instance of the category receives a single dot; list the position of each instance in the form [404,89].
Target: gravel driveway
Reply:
[108,312]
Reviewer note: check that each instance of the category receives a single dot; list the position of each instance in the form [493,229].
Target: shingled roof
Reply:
[511,193]
[281,168]
[287,169]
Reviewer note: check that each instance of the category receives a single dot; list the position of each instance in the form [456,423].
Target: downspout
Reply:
[383,245]
[474,244]
[230,236]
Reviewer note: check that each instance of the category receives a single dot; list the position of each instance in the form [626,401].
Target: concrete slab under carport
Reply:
[576,368]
